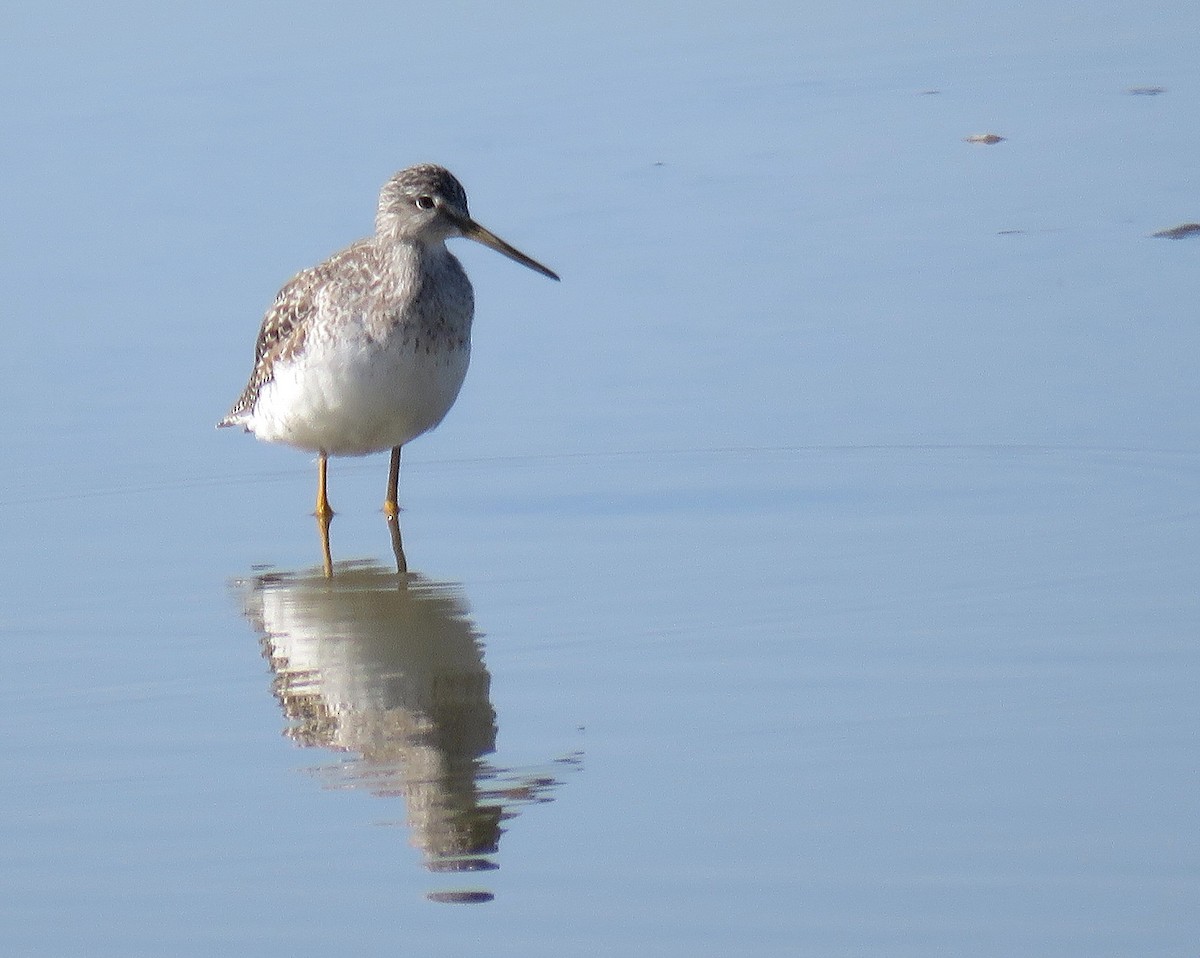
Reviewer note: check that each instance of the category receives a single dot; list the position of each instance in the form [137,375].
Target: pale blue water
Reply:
[813,571]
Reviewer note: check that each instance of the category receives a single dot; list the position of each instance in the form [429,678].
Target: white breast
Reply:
[350,395]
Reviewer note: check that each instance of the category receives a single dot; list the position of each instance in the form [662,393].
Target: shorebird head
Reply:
[426,204]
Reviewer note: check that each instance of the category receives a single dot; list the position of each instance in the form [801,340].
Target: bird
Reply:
[369,349]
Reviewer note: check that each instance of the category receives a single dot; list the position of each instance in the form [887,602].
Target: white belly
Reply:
[354,396]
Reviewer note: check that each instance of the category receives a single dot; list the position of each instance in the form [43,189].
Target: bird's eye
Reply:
[425,202]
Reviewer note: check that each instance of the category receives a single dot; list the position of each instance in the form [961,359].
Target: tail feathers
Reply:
[233,419]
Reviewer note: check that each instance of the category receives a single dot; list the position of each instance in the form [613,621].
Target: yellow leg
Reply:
[323,510]
[324,513]
[393,524]
[391,506]
[326,554]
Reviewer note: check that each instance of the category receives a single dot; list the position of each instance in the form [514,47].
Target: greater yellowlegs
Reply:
[368,350]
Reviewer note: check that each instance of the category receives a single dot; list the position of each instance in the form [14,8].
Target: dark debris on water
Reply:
[1178,232]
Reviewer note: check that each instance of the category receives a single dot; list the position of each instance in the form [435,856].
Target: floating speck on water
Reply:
[460,897]
[1178,232]
[461,865]
[1146,90]
[987,138]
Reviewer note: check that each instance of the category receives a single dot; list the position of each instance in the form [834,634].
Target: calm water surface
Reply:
[811,572]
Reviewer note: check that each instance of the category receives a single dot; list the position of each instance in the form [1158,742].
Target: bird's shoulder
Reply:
[345,274]
[338,283]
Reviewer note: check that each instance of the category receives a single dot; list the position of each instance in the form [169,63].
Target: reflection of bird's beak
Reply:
[472,230]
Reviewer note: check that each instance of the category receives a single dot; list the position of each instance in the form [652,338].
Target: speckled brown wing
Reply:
[285,326]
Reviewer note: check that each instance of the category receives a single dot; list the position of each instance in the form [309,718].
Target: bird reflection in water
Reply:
[387,669]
